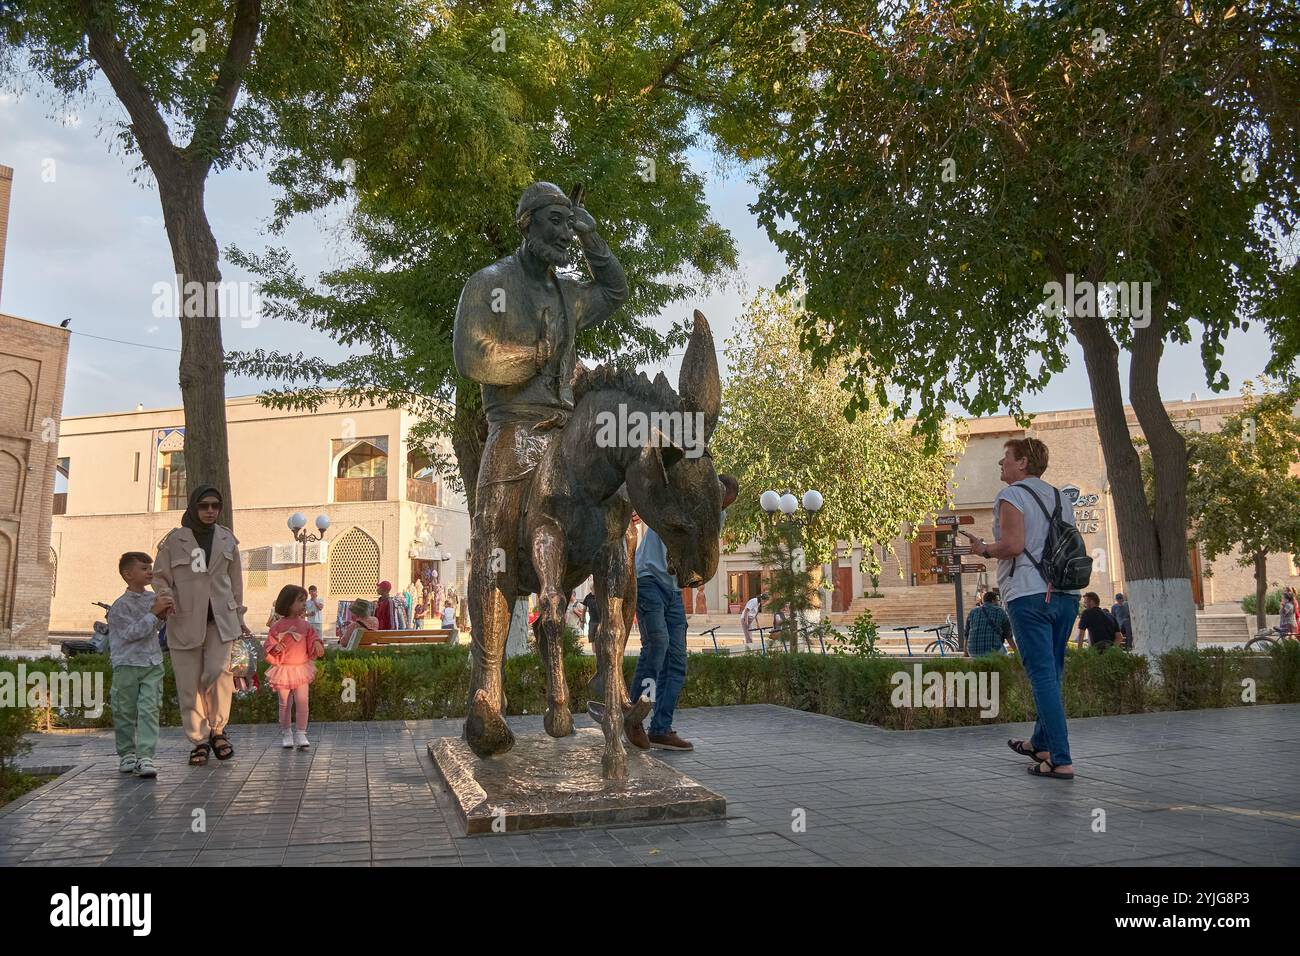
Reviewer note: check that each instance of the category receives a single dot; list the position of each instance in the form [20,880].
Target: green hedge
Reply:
[433,682]
[1272,602]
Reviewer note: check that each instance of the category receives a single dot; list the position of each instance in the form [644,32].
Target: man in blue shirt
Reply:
[661,618]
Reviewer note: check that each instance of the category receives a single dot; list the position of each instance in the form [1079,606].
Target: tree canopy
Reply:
[433,140]
[933,171]
[199,82]
[1243,489]
[783,428]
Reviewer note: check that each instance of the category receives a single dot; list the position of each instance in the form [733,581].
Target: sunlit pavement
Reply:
[1211,787]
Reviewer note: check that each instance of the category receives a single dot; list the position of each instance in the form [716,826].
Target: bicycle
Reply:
[945,637]
[1267,639]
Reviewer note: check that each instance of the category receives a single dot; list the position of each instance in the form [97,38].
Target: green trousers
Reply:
[136,698]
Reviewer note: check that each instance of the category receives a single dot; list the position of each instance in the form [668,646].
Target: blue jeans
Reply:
[661,619]
[1042,633]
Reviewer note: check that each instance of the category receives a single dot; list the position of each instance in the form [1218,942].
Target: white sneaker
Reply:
[127,764]
[286,739]
[300,739]
[145,767]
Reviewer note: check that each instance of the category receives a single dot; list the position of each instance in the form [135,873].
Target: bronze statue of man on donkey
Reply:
[553,502]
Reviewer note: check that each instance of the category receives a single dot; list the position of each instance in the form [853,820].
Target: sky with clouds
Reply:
[90,246]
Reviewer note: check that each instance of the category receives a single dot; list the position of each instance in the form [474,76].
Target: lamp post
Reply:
[790,516]
[298,525]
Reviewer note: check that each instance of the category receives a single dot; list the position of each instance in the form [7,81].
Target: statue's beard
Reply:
[553,255]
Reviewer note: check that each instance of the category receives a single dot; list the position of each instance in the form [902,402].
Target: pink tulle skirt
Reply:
[290,676]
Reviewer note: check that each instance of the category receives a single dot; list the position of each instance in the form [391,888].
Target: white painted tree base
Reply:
[1163,614]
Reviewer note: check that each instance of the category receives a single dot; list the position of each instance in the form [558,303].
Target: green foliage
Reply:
[1240,490]
[1272,602]
[15,722]
[15,784]
[1213,677]
[1284,676]
[926,169]
[860,640]
[444,134]
[931,172]
[783,427]
[433,683]
[370,675]
[178,54]
[790,583]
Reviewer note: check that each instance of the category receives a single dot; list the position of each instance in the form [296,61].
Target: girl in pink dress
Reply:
[291,646]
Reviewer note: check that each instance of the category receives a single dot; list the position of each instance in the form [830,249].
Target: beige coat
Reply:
[221,583]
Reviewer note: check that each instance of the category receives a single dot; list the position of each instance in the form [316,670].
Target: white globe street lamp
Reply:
[298,525]
[783,508]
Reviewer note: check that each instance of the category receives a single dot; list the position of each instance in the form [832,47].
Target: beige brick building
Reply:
[122,487]
[33,363]
[1075,460]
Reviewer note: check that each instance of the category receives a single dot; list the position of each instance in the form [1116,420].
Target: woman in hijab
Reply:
[198,566]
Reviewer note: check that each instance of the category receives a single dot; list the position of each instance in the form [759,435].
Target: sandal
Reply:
[221,746]
[199,755]
[1051,771]
[1024,748]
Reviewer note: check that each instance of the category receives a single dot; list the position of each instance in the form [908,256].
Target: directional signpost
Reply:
[949,561]
[943,520]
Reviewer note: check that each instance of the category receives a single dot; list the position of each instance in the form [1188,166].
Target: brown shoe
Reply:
[636,736]
[670,741]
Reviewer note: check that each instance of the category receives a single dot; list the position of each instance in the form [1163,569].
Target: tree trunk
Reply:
[1157,574]
[1172,616]
[181,174]
[202,364]
[1261,589]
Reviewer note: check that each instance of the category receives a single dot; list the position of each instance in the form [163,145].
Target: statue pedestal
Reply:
[546,783]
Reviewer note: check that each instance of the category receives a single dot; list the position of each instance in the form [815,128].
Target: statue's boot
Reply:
[633,714]
[636,712]
[485,729]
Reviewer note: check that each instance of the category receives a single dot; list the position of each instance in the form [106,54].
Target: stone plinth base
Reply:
[545,783]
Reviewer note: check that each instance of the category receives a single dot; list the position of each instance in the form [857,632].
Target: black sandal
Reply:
[1051,771]
[1024,748]
[199,755]
[221,746]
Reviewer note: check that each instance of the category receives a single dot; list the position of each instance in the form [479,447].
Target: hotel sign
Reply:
[1087,516]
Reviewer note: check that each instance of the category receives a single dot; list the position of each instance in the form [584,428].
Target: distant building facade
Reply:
[1076,463]
[33,364]
[123,486]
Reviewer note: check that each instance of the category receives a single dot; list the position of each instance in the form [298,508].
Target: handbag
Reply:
[244,656]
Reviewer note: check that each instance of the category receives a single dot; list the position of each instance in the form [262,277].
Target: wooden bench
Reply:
[373,639]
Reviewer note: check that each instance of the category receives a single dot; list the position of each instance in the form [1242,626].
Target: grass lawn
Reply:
[15,783]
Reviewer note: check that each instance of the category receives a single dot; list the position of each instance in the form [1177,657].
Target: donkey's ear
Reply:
[669,453]
[653,471]
[698,383]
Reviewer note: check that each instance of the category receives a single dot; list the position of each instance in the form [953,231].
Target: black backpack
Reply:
[1065,563]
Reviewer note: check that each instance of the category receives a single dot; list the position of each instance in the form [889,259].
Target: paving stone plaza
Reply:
[1189,788]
